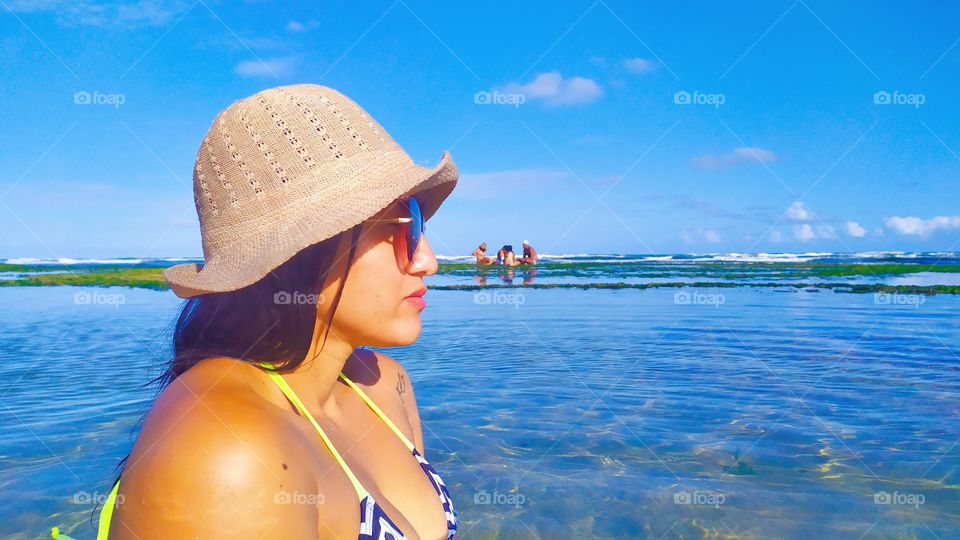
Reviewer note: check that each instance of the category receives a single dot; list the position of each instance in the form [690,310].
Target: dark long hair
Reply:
[255,324]
[271,320]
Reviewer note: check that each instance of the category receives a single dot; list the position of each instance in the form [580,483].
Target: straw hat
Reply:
[289,167]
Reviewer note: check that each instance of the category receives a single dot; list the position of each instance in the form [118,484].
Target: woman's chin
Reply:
[404,332]
[411,332]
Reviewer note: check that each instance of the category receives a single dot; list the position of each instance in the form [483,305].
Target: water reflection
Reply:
[507,274]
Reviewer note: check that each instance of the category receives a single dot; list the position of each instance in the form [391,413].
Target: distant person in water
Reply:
[529,254]
[502,253]
[509,259]
[481,254]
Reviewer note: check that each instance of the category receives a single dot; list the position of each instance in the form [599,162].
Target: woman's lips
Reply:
[417,301]
[417,298]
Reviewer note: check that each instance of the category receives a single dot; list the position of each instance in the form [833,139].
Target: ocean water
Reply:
[632,269]
[559,413]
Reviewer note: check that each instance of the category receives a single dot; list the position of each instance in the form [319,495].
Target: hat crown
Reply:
[277,145]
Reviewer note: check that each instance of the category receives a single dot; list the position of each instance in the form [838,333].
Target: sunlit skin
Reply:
[223,455]
[481,254]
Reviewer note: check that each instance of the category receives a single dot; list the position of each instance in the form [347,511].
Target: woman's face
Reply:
[373,309]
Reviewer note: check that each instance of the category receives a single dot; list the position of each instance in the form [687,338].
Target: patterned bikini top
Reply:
[374,522]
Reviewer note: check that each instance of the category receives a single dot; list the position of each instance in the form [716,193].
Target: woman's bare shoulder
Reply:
[213,453]
[386,381]
[218,393]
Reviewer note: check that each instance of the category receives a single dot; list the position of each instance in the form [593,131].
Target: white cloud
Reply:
[914,226]
[297,26]
[799,212]
[555,90]
[803,233]
[855,230]
[708,235]
[775,236]
[129,15]
[639,65]
[738,156]
[268,67]
[488,185]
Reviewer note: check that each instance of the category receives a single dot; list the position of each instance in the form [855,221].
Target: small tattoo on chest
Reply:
[401,386]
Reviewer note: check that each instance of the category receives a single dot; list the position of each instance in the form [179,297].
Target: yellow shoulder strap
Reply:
[292,396]
[106,513]
[379,412]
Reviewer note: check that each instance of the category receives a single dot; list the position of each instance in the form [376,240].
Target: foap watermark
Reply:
[513,499]
[297,297]
[897,299]
[86,498]
[898,498]
[684,97]
[700,498]
[899,98]
[697,298]
[499,98]
[97,298]
[298,497]
[98,98]
[499,298]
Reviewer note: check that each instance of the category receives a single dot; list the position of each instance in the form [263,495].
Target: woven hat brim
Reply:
[311,220]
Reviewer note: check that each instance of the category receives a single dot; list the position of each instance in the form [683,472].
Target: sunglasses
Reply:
[415,225]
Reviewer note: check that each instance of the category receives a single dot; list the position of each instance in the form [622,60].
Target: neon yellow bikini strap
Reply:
[292,396]
[380,413]
[106,513]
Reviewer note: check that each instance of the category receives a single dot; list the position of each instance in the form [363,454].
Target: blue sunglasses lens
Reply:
[416,227]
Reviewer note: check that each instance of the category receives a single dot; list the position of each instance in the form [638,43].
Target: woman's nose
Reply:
[424,261]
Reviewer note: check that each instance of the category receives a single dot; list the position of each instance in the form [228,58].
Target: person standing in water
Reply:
[481,254]
[529,254]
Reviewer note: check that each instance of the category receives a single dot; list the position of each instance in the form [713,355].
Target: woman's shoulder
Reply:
[221,393]
[386,382]
[213,442]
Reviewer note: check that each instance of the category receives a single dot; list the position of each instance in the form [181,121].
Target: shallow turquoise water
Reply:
[565,413]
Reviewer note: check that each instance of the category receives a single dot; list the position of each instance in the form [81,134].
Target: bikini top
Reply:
[374,522]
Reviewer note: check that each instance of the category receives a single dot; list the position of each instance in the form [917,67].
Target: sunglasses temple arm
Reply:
[391,220]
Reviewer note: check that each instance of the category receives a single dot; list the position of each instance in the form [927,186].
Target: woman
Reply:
[509,258]
[273,421]
[481,255]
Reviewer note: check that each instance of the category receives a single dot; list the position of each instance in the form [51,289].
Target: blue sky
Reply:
[601,126]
